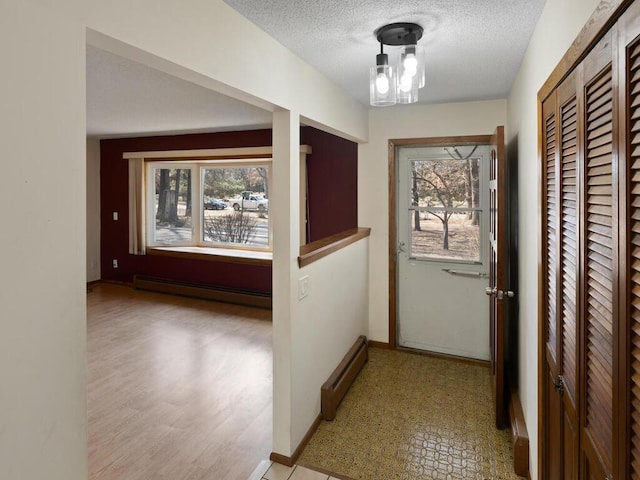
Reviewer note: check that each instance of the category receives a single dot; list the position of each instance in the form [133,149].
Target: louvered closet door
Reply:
[561,154]
[551,226]
[599,232]
[633,262]
[553,411]
[569,139]
[630,164]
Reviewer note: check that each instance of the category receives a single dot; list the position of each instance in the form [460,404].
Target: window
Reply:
[445,213]
[209,204]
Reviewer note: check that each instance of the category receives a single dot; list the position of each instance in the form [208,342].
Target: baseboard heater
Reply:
[520,436]
[336,387]
[202,290]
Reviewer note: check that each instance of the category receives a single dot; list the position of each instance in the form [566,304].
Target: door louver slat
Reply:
[599,263]
[569,148]
[634,258]
[552,206]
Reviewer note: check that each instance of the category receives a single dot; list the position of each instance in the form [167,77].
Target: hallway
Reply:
[414,417]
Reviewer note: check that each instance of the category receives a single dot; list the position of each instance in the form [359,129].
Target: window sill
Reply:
[228,255]
[309,253]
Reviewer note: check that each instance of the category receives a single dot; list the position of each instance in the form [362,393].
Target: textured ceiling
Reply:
[473,47]
[127,98]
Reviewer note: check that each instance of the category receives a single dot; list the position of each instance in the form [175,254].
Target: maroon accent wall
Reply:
[332,173]
[332,177]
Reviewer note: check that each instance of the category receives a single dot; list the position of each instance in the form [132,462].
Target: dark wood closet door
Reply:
[569,139]
[590,297]
[498,270]
[561,113]
[599,231]
[629,332]
[552,410]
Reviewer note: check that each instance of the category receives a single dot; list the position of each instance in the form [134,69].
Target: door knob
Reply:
[558,384]
[490,291]
[501,294]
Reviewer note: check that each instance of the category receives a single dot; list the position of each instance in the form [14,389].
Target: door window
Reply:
[445,213]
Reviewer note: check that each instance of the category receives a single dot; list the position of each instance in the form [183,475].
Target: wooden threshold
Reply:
[446,356]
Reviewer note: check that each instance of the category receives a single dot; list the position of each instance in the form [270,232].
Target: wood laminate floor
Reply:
[178,388]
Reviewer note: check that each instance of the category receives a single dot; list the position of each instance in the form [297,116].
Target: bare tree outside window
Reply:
[446,191]
[173,205]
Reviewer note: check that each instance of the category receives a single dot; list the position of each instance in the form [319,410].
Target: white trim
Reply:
[198,160]
[209,152]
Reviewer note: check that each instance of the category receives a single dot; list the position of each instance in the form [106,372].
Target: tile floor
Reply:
[412,417]
[275,471]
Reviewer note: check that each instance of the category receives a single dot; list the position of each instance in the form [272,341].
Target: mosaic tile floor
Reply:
[412,417]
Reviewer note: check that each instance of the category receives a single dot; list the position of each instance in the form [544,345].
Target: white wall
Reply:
[558,26]
[329,321]
[43,337]
[42,245]
[285,205]
[453,119]
[209,43]
[310,335]
[93,209]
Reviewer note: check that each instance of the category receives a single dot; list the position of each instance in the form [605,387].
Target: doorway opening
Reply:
[438,252]
[437,306]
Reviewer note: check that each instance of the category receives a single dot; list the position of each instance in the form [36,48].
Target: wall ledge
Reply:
[314,251]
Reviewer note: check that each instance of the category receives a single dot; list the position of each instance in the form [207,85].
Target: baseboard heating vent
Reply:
[336,387]
[202,290]
[520,436]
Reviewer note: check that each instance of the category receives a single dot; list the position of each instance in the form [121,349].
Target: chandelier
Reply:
[390,84]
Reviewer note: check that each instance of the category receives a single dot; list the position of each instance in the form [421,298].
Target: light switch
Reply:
[303,287]
[115,216]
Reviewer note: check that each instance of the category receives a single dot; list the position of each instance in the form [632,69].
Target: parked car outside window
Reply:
[214,204]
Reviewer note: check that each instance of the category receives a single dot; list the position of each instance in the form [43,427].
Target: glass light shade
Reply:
[382,86]
[408,81]
[412,59]
[408,95]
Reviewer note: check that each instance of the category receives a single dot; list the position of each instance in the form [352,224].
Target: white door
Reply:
[443,250]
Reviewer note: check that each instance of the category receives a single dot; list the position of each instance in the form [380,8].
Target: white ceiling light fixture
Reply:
[389,85]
